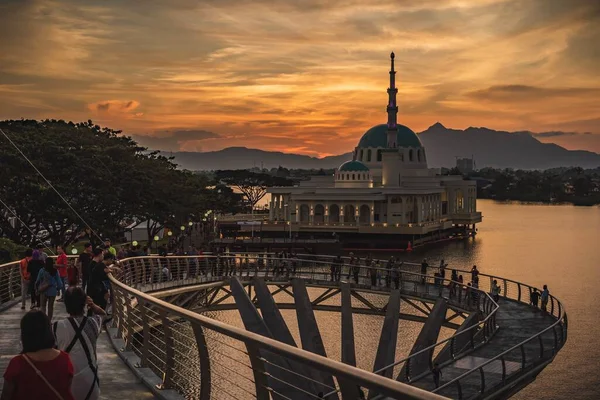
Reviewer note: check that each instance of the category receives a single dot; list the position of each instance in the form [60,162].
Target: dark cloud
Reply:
[554,134]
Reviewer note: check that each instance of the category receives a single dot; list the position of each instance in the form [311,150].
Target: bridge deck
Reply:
[517,322]
[116,380]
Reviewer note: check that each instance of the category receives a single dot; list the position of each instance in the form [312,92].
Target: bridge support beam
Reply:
[271,314]
[349,389]
[461,342]
[386,351]
[427,337]
[309,329]
[281,381]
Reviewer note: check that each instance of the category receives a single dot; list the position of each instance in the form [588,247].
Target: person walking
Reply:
[474,274]
[495,290]
[373,273]
[61,267]
[534,297]
[35,265]
[40,371]
[77,335]
[437,374]
[544,297]
[25,277]
[48,284]
[83,264]
[424,266]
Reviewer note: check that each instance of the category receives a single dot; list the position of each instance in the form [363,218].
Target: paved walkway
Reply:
[116,380]
[517,322]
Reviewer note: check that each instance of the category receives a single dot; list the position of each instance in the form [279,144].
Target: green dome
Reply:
[377,137]
[349,166]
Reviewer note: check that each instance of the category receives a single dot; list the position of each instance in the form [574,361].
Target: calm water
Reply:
[536,244]
[554,245]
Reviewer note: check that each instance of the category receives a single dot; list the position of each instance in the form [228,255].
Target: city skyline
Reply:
[307,77]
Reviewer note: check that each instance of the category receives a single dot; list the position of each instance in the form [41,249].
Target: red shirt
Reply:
[62,269]
[28,385]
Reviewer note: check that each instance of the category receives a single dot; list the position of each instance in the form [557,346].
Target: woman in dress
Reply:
[40,371]
[77,336]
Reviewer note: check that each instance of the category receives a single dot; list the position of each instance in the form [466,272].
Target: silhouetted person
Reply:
[437,374]
[545,296]
[534,297]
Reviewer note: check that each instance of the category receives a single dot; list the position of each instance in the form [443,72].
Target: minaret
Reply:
[392,108]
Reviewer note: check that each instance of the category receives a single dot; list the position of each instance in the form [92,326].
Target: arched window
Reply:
[353,177]
[410,155]
[361,155]
[369,155]
[378,155]
[419,155]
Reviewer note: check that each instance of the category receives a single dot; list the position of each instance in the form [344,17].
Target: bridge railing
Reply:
[154,273]
[197,355]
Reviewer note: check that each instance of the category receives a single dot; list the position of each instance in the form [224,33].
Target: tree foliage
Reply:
[105,176]
[573,185]
[253,185]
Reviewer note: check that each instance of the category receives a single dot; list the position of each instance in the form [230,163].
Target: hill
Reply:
[500,149]
[490,148]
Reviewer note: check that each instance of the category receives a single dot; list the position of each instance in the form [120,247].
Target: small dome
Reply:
[377,137]
[353,166]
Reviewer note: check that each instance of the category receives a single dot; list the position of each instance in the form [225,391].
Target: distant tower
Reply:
[392,108]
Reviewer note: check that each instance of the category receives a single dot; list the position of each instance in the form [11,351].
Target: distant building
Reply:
[385,194]
[465,165]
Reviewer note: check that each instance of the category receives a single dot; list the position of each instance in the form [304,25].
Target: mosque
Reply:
[386,195]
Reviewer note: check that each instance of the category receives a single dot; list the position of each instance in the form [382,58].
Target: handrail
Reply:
[339,370]
[499,356]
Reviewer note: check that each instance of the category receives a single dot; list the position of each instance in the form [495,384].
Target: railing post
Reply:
[552,305]
[146,334]
[169,350]
[258,369]
[519,291]
[128,323]
[203,356]
[541,346]
[482,379]
[503,370]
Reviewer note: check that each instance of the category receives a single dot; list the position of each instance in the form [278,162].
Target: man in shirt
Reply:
[109,247]
[83,264]
[61,267]
[25,276]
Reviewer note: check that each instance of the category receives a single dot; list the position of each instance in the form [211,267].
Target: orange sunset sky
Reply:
[304,76]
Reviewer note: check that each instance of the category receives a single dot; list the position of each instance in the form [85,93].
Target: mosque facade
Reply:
[387,191]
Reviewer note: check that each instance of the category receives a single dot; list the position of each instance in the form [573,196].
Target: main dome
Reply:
[377,137]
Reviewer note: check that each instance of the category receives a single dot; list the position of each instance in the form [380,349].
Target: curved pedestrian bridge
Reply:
[163,330]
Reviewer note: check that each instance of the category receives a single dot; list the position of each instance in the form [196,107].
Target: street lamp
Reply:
[170,233]
[73,251]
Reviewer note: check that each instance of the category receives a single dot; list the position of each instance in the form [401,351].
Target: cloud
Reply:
[272,74]
[525,92]
[118,106]
[557,133]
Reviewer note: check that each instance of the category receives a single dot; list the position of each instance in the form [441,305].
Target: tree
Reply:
[104,176]
[252,185]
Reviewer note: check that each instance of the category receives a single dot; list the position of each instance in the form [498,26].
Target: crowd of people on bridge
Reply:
[58,359]
[60,355]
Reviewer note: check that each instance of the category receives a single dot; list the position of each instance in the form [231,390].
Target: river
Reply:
[557,245]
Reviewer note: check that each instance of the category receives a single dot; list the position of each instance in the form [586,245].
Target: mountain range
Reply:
[490,148]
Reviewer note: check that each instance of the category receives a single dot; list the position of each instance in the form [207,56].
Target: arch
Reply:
[410,155]
[353,177]
[419,155]
[304,214]
[364,215]
[319,217]
[349,217]
[379,155]
[334,214]
[369,155]
[362,155]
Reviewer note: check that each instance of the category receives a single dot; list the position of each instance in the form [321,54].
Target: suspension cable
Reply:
[26,226]
[51,185]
